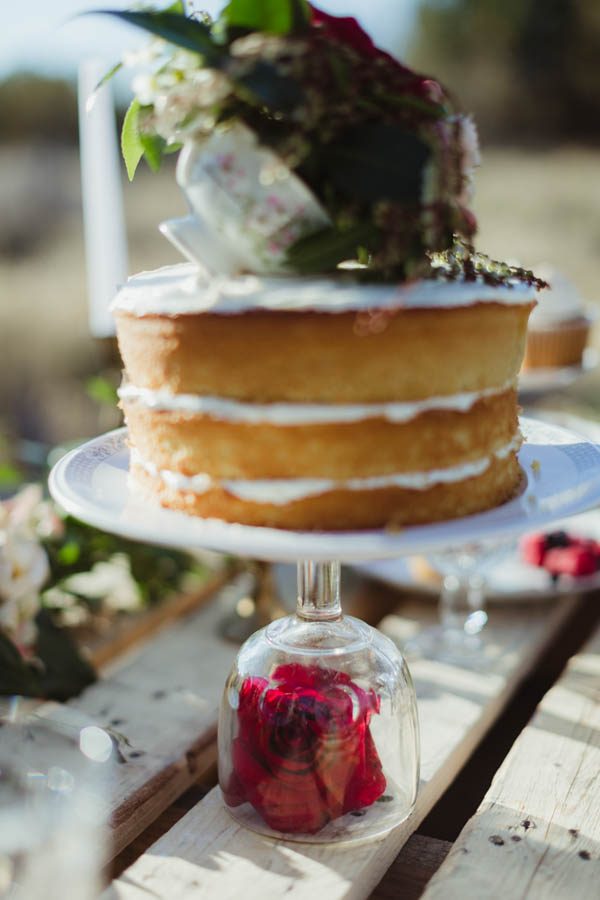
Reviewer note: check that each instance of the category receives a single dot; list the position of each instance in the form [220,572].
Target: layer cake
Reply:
[320,403]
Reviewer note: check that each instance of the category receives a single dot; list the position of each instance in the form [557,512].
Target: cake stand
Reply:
[318,731]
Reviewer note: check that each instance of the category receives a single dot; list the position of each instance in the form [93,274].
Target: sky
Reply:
[43,35]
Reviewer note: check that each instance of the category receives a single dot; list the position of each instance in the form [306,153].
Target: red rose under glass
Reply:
[318,729]
[303,754]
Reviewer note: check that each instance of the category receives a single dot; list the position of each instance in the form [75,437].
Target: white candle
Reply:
[102,194]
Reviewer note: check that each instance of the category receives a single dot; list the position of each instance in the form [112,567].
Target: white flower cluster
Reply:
[24,520]
[181,93]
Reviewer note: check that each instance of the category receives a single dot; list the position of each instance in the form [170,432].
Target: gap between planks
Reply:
[206,854]
[536,834]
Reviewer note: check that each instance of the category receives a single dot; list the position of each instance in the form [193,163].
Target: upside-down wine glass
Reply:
[53,835]
[459,636]
[318,730]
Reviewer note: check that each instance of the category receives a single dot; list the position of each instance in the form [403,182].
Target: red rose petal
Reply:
[303,753]
[533,549]
[572,560]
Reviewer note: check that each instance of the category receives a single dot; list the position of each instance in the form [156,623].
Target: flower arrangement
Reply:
[58,575]
[384,152]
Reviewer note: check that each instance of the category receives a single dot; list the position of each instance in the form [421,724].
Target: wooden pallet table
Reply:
[160,703]
[537,831]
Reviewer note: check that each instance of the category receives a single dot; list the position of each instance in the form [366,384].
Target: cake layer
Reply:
[347,357]
[341,508]
[190,442]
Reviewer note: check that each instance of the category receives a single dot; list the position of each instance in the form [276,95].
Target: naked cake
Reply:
[335,355]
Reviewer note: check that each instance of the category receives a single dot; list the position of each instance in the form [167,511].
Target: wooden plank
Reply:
[537,832]
[206,854]
[160,704]
[413,868]
[162,823]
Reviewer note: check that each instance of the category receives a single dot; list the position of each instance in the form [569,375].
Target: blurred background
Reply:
[527,69]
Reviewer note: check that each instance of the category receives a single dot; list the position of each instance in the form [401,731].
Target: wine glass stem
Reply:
[319,590]
[462,605]
[451,615]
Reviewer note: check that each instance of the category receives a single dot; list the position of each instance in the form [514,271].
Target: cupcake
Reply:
[559,326]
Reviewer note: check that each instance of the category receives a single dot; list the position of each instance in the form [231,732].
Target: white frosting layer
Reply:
[300,413]
[181,289]
[280,491]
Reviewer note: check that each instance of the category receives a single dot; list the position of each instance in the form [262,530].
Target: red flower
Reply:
[303,753]
[346,30]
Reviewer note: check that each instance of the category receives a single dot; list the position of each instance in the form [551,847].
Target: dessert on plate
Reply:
[559,326]
[335,354]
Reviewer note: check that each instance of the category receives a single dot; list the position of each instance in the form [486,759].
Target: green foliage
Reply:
[58,672]
[101,390]
[131,144]
[10,477]
[272,16]
[324,250]
[381,162]
[156,570]
[153,146]
[269,88]
[176,29]
[109,75]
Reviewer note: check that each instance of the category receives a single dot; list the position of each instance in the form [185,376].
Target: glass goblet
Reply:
[52,835]
[459,636]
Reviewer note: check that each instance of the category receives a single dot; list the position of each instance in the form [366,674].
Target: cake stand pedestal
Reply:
[318,733]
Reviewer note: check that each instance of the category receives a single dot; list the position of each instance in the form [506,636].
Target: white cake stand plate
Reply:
[561,473]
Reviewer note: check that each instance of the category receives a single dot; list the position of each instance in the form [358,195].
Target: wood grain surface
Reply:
[536,834]
[206,854]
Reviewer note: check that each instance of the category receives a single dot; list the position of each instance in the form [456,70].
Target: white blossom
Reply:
[23,571]
[111,582]
[25,519]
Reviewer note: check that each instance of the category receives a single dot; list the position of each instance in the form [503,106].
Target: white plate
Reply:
[511,580]
[535,383]
[561,477]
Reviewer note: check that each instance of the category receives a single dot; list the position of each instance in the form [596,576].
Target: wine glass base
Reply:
[467,651]
[389,811]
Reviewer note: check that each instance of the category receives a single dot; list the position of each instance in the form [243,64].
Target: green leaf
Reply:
[273,16]
[16,677]
[176,29]
[154,148]
[324,250]
[69,553]
[377,162]
[10,477]
[108,75]
[101,390]
[131,145]
[65,672]
[177,7]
